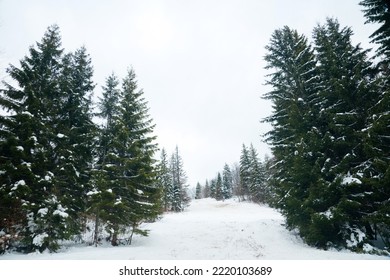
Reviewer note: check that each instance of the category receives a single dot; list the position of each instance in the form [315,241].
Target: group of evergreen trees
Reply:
[329,175]
[221,187]
[57,167]
[172,181]
[253,179]
[247,181]
[330,138]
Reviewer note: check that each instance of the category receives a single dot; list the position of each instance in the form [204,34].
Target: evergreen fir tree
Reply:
[345,97]
[127,174]
[325,172]
[377,137]
[378,11]
[213,188]
[101,197]
[227,182]
[179,183]
[29,144]
[136,146]
[75,134]
[218,187]
[257,186]
[294,136]
[164,180]
[245,173]
[198,191]
[236,180]
[206,190]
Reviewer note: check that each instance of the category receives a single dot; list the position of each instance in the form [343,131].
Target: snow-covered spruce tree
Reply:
[179,183]
[257,187]
[341,200]
[378,136]
[164,180]
[35,141]
[100,197]
[198,191]
[245,173]
[227,182]
[213,188]
[75,133]
[206,190]
[127,174]
[136,147]
[271,197]
[378,11]
[218,187]
[236,180]
[294,136]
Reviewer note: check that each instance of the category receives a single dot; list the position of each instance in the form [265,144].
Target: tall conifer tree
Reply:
[164,180]
[378,136]
[344,101]
[179,183]
[127,174]
[227,182]
[46,142]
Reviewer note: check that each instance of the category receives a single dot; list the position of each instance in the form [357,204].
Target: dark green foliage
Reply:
[253,183]
[294,83]
[377,140]
[325,173]
[218,188]
[172,181]
[180,198]
[56,167]
[245,173]
[206,190]
[46,142]
[198,191]
[258,188]
[378,11]
[227,182]
[125,193]
[213,188]
[164,180]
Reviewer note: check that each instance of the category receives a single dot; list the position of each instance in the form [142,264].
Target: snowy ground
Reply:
[208,230]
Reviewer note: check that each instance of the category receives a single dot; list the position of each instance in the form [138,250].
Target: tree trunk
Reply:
[114,239]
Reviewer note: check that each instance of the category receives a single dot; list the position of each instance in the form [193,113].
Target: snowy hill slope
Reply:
[209,230]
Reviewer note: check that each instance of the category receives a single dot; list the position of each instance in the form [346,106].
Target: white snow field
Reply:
[208,230]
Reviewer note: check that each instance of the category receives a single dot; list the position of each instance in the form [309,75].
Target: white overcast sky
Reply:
[200,62]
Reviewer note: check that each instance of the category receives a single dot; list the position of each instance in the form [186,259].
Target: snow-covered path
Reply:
[209,230]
